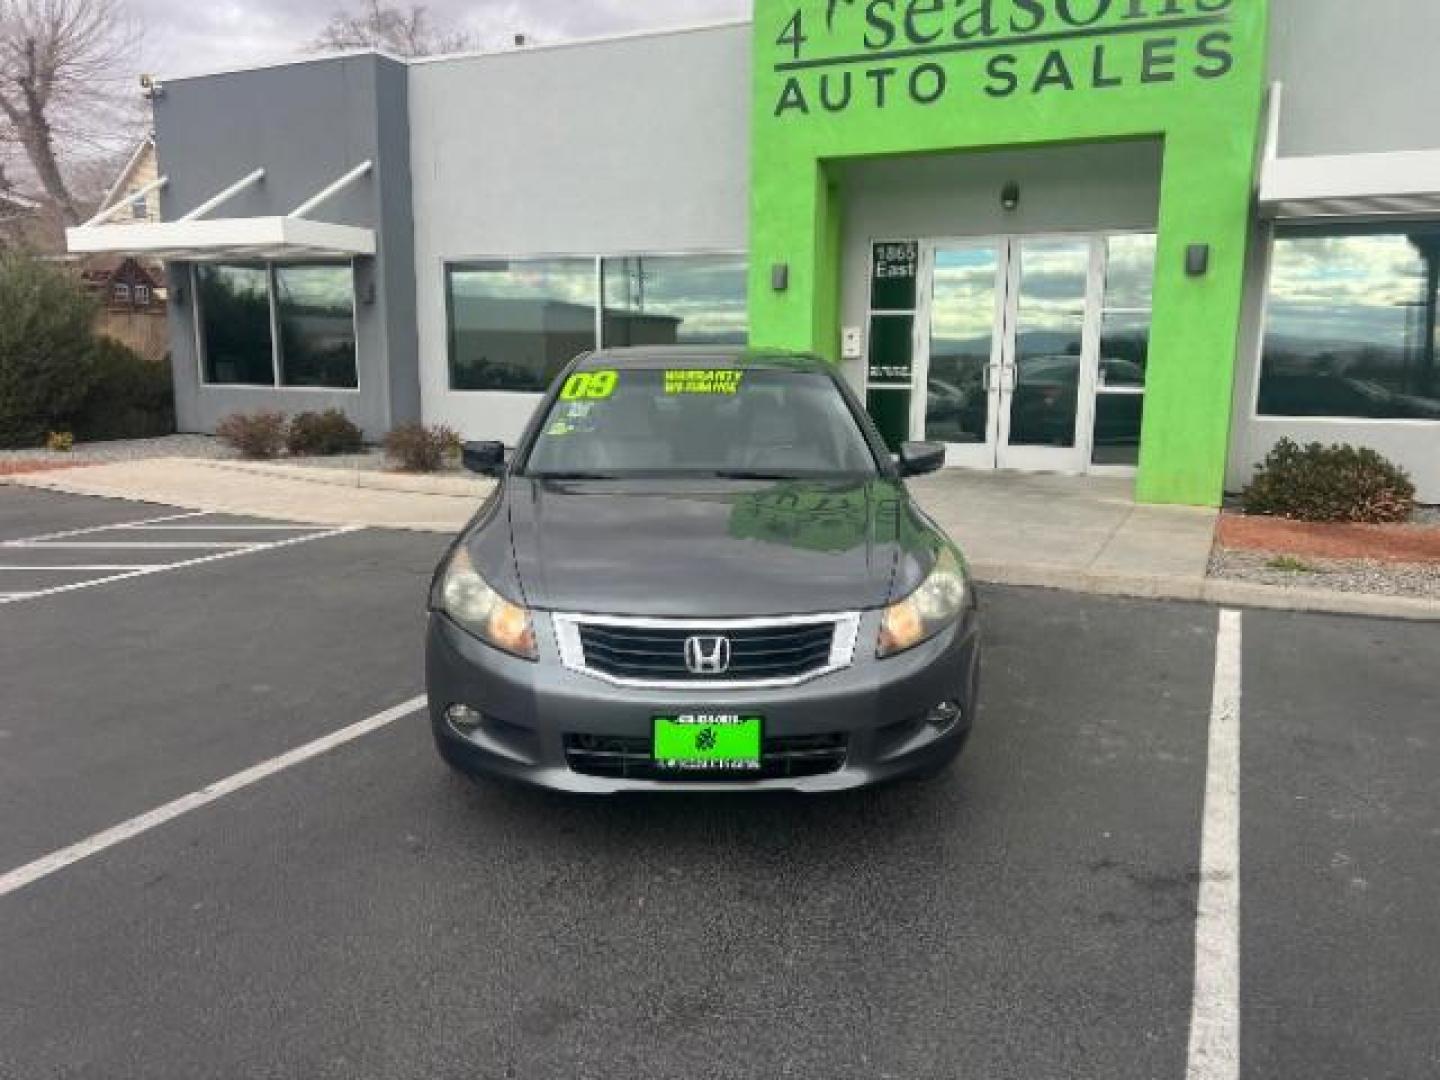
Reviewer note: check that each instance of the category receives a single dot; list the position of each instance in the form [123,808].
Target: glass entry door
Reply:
[1007,338]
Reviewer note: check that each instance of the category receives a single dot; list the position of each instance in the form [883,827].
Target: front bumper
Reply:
[877,707]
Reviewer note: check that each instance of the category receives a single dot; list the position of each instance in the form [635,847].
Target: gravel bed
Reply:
[182,446]
[1420,580]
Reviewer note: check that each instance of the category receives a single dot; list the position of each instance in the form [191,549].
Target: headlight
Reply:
[928,610]
[468,599]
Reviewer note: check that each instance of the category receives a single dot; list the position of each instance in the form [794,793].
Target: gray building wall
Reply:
[307,124]
[627,146]
[1358,79]
[1113,187]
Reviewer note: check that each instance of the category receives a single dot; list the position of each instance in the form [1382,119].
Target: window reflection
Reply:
[962,335]
[514,325]
[1124,348]
[1351,324]
[235,325]
[316,309]
[1049,335]
[675,300]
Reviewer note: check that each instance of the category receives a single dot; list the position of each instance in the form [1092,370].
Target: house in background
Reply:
[140,172]
[21,219]
[132,292]
[132,303]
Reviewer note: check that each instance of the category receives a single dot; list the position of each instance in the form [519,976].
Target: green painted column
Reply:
[1195,335]
[838,80]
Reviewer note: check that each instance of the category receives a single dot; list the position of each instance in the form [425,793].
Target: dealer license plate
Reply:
[708,742]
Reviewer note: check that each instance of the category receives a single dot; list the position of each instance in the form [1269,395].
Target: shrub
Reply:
[417,448]
[130,397]
[1330,483]
[46,360]
[324,434]
[258,435]
[60,442]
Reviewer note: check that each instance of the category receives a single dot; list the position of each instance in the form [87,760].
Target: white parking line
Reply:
[102,528]
[30,873]
[91,568]
[128,545]
[221,550]
[1215,1010]
[219,528]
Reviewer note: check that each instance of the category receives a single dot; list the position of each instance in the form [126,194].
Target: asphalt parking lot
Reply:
[359,911]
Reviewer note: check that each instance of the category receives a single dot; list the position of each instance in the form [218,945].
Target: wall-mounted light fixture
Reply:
[780,277]
[1010,196]
[1197,260]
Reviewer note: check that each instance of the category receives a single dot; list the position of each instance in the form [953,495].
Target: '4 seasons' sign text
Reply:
[843,54]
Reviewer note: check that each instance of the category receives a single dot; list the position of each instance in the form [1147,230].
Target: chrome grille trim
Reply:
[842,646]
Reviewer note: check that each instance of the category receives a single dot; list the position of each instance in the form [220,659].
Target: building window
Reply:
[142,295]
[235,325]
[312,305]
[1124,348]
[140,208]
[1351,329]
[315,311]
[675,300]
[514,325]
[120,292]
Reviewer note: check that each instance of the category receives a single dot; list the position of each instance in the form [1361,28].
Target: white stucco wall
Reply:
[628,146]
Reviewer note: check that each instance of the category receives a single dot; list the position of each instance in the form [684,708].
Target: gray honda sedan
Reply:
[701,570]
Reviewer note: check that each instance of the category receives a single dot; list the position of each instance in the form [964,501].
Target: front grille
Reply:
[650,653]
[629,758]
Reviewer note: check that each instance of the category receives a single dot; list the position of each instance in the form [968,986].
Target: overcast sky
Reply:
[197,35]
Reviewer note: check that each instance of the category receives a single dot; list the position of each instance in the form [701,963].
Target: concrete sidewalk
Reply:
[1080,534]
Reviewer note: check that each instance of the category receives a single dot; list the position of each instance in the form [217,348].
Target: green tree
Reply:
[47,360]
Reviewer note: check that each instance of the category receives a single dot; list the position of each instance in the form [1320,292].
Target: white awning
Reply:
[195,239]
[1356,185]
[1399,184]
[277,238]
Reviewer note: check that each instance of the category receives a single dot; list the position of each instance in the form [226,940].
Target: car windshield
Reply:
[729,423]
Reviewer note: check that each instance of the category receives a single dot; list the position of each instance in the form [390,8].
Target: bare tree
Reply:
[402,30]
[60,66]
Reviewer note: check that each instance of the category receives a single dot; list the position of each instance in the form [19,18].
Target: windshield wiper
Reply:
[754,474]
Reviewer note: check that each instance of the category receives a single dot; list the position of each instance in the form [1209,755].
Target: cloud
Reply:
[185,37]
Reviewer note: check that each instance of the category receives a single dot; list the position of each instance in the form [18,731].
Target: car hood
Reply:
[715,548]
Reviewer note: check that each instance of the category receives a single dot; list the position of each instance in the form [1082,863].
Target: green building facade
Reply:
[837,82]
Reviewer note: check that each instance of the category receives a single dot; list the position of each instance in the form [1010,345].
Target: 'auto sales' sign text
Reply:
[848,54]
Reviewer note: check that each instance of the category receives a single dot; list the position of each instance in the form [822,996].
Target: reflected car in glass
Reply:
[701,570]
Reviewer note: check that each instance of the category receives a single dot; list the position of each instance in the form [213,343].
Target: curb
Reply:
[450,487]
[1207,591]
[1199,590]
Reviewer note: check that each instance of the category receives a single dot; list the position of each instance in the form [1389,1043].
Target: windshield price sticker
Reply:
[724,382]
[573,418]
[590,386]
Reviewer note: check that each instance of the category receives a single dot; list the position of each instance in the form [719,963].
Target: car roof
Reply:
[712,356]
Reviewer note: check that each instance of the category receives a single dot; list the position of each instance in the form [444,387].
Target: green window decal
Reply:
[590,386]
[725,382]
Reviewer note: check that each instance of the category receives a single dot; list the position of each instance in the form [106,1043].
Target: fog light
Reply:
[945,716]
[463,718]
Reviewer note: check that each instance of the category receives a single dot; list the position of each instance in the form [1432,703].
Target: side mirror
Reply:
[920,458]
[484,458]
